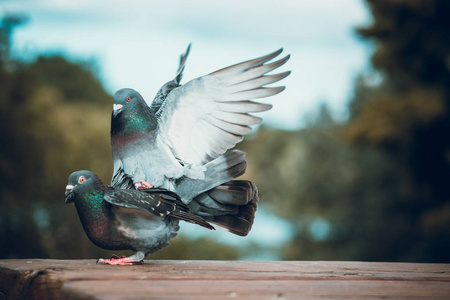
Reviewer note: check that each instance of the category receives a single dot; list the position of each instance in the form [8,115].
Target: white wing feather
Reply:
[209,115]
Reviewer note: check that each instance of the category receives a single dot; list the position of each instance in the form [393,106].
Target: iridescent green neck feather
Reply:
[93,212]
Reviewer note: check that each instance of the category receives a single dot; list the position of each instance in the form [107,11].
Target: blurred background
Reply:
[352,163]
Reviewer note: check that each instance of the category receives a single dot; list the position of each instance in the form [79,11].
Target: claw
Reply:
[143,185]
[122,261]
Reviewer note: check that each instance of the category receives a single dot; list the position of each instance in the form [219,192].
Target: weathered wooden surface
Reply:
[84,279]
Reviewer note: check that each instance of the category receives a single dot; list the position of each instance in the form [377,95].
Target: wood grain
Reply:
[84,279]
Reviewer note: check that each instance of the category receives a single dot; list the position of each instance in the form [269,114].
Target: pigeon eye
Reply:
[128,99]
[81,179]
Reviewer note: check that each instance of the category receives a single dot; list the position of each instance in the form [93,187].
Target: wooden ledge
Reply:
[163,279]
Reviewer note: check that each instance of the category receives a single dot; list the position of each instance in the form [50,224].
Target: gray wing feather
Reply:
[120,180]
[183,59]
[169,86]
[156,201]
[217,108]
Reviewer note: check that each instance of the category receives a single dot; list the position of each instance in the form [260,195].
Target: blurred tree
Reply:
[49,128]
[407,116]
[7,25]
[374,188]
[336,195]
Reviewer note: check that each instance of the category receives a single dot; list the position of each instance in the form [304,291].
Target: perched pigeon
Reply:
[180,142]
[142,221]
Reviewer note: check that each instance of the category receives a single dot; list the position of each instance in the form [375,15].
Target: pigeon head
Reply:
[79,182]
[131,114]
[126,100]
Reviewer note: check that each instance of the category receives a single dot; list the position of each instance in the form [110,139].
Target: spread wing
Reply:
[169,86]
[160,202]
[209,115]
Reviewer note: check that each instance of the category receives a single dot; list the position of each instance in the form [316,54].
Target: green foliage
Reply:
[76,82]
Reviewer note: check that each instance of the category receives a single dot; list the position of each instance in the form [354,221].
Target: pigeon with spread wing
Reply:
[180,141]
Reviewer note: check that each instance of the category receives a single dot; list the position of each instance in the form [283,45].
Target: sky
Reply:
[137,44]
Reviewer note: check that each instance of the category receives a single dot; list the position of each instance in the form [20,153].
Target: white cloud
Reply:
[138,42]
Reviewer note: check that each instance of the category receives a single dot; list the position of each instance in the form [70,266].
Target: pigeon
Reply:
[124,219]
[181,141]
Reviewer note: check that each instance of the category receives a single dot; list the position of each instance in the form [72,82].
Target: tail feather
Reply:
[240,224]
[205,206]
[237,192]
[222,169]
[231,206]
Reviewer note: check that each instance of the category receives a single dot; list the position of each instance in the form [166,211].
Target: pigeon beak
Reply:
[117,108]
[68,193]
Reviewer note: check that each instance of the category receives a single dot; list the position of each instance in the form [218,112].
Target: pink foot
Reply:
[143,185]
[121,261]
